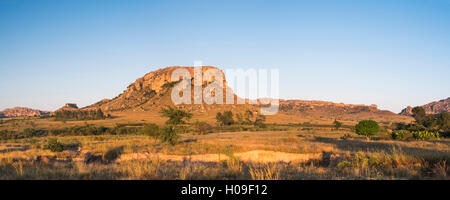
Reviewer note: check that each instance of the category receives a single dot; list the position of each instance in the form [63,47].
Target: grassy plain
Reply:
[289,151]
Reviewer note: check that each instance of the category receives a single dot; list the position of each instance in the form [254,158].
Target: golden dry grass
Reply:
[294,153]
[310,154]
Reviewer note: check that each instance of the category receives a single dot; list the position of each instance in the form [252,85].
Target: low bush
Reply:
[346,137]
[200,127]
[112,154]
[92,130]
[425,135]
[337,124]
[27,133]
[225,119]
[151,130]
[126,130]
[169,135]
[401,134]
[54,145]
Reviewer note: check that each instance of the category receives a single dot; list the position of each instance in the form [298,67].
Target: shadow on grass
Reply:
[188,141]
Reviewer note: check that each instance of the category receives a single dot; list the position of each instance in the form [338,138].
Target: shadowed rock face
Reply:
[21,112]
[431,108]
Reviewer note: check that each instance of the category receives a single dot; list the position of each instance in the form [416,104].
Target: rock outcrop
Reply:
[153,91]
[21,112]
[69,106]
[431,108]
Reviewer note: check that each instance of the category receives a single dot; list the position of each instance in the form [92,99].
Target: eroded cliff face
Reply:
[431,108]
[155,80]
[21,112]
[152,89]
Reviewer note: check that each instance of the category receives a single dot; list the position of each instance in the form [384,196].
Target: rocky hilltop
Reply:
[431,108]
[21,112]
[153,91]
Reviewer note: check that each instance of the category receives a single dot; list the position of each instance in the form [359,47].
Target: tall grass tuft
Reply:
[265,172]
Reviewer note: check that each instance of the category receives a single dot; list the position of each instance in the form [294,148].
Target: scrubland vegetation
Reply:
[237,146]
[67,115]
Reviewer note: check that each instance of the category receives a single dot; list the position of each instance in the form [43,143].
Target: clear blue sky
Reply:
[389,53]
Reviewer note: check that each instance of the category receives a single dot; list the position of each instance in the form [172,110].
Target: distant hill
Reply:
[431,108]
[325,109]
[68,106]
[153,91]
[21,112]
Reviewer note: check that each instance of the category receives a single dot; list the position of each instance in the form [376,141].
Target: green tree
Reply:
[429,121]
[443,121]
[367,128]
[419,114]
[337,124]
[176,116]
[151,130]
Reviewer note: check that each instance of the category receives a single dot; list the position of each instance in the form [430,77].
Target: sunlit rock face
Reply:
[431,108]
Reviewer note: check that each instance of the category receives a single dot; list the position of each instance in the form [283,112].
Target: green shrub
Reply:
[151,130]
[425,135]
[401,134]
[367,128]
[337,124]
[259,121]
[417,127]
[125,130]
[169,135]
[54,145]
[8,135]
[201,127]
[112,154]
[346,136]
[27,133]
[80,131]
[225,119]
